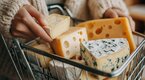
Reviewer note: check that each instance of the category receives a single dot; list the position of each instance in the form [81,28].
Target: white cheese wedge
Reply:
[105,54]
[57,24]
[64,71]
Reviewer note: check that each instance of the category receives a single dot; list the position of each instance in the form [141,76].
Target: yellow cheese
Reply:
[68,44]
[44,61]
[57,24]
[109,28]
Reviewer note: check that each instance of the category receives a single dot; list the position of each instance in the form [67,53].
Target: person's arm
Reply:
[20,19]
[99,7]
[78,8]
[109,9]
[8,9]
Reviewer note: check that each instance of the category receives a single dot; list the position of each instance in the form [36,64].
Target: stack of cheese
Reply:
[66,43]
[57,24]
[110,43]
[108,47]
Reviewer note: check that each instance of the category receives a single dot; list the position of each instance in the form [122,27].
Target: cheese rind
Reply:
[109,28]
[57,24]
[105,54]
[68,44]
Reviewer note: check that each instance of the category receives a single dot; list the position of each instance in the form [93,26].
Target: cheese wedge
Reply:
[109,28]
[63,71]
[37,58]
[68,44]
[105,54]
[57,24]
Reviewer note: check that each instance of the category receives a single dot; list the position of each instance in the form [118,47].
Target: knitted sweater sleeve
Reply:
[8,9]
[98,7]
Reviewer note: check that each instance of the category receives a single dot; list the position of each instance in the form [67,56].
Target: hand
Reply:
[114,13]
[29,23]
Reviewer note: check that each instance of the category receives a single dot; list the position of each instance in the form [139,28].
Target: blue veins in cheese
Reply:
[105,54]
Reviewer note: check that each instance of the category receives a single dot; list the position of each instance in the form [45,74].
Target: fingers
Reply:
[37,15]
[33,26]
[18,29]
[19,26]
[110,13]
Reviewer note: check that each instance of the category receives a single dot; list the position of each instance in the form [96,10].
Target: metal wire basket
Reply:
[29,67]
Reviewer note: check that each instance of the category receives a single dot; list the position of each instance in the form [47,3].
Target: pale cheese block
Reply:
[105,54]
[109,28]
[57,24]
[68,44]
[37,58]
[63,71]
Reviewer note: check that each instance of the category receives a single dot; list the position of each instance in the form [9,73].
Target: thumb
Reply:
[110,13]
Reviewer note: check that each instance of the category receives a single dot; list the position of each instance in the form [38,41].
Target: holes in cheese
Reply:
[109,27]
[107,35]
[99,30]
[117,22]
[114,28]
[124,33]
[80,33]
[68,44]
[91,35]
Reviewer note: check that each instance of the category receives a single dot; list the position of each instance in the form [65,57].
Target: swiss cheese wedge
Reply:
[68,44]
[109,28]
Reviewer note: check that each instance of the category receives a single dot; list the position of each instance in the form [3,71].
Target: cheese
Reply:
[64,71]
[44,61]
[57,24]
[68,44]
[105,54]
[109,28]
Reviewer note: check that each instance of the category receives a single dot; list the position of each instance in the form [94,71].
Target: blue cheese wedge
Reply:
[105,54]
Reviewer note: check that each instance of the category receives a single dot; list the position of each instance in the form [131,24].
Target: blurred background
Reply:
[137,11]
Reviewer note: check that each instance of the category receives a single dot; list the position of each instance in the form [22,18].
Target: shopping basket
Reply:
[29,67]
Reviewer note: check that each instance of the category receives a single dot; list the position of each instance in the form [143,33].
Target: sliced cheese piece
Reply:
[109,28]
[68,44]
[63,71]
[57,24]
[105,54]
[43,61]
